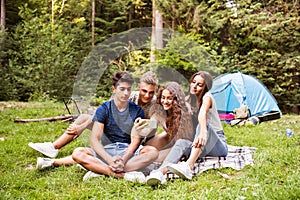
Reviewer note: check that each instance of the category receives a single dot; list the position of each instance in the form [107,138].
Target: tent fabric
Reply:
[231,90]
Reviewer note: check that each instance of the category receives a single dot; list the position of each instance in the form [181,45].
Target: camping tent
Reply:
[231,90]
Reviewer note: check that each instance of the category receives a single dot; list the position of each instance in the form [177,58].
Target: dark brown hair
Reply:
[122,77]
[196,101]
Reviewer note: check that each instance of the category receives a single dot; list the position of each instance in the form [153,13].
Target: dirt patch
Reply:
[8,105]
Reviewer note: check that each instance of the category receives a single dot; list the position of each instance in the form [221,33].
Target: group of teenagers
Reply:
[125,139]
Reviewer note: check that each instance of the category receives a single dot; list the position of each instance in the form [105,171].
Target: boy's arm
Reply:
[135,138]
[133,146]
[95,141]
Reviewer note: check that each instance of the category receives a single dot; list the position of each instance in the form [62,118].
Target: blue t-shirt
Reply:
[117,125]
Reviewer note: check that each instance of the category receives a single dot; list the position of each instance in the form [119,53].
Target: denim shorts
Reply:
[115,149]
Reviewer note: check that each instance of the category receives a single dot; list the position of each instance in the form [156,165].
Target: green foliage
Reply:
[47,56]
[113,17]
[266,44]
[274,175]
[187,53]
[177,13]
[50,52]
[7,89]
[255,37]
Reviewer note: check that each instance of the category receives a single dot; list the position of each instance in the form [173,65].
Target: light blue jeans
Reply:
[215,146]
[115,149]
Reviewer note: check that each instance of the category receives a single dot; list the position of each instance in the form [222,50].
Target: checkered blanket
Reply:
[237,158]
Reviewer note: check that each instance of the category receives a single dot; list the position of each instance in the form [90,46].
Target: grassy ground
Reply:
[275,174]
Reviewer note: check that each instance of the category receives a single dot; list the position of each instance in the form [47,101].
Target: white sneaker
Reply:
[45,148]
[182,170]
[90,174]
[81,166]
[43,163]
[155,178]
[135,176]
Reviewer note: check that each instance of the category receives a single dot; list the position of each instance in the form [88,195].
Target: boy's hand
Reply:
[117,165]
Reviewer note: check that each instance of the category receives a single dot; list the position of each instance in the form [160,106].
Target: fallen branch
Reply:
[64,118]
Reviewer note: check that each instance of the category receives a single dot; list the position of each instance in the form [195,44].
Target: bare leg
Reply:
[147,155]
[159,141]
[64,161]
[162,154]
[195,153]
[84,121]
[87,159]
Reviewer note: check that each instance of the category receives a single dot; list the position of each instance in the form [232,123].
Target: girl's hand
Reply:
[200,141]
[140,123]
[138,126]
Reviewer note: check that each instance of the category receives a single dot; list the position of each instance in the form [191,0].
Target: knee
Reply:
[179,141]
[84,117]
[151,151]
[79,154]
[182,142]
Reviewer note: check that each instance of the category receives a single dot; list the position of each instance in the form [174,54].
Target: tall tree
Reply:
[93,23]
[3,12]
[157,31]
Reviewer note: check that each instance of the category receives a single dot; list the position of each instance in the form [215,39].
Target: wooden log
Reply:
[65,117]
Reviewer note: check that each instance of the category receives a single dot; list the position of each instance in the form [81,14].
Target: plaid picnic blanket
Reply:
[238,157]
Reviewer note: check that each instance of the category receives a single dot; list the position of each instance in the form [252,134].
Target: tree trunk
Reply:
[131,11]
[173,18]
[2,21]
[157,32]
[52,20]
[64,118]
[93,23]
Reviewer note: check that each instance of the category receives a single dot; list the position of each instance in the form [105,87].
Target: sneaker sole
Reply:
[38,164]
[179,173]
[41,151]
[82,167]
[153,181]
[90,175]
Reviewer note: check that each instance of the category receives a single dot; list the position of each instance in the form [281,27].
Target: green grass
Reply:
[275,174]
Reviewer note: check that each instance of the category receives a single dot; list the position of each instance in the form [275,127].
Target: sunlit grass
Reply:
[275,174]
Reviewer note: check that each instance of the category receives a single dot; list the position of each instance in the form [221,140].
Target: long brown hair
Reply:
[178,119]
[196,101]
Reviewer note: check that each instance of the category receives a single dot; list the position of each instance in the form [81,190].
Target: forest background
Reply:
[44,43]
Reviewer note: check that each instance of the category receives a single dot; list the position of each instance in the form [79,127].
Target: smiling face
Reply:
[146,92]
[166,99]
[197,85]
[122,91]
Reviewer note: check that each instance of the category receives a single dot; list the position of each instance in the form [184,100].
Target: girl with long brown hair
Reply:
[209,138]
[172,113]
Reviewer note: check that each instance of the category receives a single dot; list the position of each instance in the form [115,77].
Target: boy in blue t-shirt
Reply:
[144,97]
[114,151]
